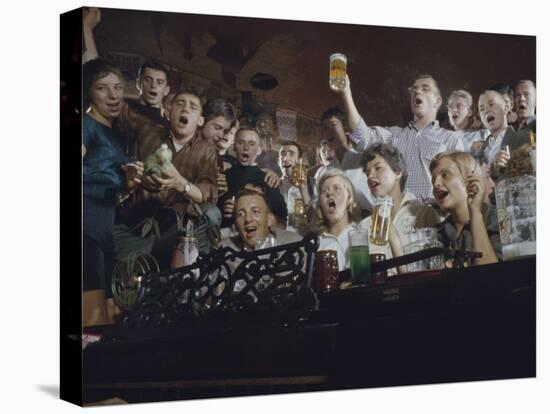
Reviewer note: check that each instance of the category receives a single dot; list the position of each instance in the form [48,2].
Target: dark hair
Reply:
[294,144]
[219,107]
[190,90]
[391,155]
[334,111]
[96,69]
[151,64]
[503,89]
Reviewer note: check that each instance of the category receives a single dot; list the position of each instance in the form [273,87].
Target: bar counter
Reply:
[470,324]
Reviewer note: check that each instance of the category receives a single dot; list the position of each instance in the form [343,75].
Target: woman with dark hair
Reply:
[386,173]
[103,180]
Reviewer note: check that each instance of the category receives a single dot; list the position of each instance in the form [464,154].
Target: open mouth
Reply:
[331,206]
[490,118]
[184,120]
[287,165]
[418,101]
[373,185]
[440,195]
[250,231]
[113,107]
[153,94]
[245,157]
[522,107]
[455,117]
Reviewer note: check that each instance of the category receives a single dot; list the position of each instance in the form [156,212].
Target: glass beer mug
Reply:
[337,74]
[381,221]
[298,174]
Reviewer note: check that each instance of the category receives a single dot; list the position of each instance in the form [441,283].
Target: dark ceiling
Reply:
[383,61]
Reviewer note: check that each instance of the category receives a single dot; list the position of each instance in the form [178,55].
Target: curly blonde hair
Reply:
[319,223]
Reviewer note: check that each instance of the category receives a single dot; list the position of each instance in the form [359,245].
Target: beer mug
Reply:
[337,74]
[299,207]
[326,276]
[131,173]
[298,174]
[186,252]
[381,221]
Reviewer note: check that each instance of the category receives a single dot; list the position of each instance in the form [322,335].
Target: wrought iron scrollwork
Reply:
[229,282]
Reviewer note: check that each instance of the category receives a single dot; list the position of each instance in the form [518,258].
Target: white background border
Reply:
[29,361]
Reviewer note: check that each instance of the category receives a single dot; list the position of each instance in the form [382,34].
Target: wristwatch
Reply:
[186,188]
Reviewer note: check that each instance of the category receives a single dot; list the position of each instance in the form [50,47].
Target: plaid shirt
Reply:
[418,149]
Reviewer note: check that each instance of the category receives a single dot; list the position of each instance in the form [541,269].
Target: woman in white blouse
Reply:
[336,214]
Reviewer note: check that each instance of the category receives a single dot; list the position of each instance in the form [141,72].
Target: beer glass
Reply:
[381,221]
[298,174]
[326,270]
[359,259]
[131,173]
[337,74]
[186,252]
[378,278]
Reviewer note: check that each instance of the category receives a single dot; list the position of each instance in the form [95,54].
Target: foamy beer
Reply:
[381,221]
[337,74]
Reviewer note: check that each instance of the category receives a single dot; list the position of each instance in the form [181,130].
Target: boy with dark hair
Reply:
[145,119]
[334,132]
[219,116]
[247,147]
[189,179]
[493,110]
[290,157]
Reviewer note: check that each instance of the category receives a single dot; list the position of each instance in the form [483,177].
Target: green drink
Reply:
[359,259]
[359,265]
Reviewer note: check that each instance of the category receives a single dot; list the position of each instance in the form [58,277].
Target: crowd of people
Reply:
[216,169]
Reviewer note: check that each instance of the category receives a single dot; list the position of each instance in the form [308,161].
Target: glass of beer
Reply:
[326,276]
[381,221]
[359,259]
[298,174]
[131,173]
[337,74]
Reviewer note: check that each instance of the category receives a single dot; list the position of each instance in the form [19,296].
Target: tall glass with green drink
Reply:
[359,256]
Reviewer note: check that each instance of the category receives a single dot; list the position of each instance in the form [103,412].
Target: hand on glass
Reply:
[172,180]
[228,207]
[91,16]
[222,183]
[134,174]
[346,90]
[501,160]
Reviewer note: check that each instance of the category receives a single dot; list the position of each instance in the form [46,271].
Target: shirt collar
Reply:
[433,124]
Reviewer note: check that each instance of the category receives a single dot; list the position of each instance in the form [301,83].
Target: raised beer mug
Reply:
[337,72]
